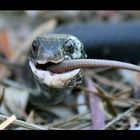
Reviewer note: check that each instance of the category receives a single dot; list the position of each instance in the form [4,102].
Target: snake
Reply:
[52,49]
[57,62]
[107,40]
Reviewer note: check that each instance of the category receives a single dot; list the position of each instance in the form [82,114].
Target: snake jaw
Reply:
[51,79]
[47,61]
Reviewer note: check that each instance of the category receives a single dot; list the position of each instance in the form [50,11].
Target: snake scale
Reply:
[57,62]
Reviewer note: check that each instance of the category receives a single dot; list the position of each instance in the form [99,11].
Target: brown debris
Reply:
[5,45]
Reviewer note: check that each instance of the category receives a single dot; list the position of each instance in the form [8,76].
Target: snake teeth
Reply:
[47,61]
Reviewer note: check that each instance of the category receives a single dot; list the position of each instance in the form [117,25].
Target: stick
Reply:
[120,116]
[7,122]
[24,124]
[97,115]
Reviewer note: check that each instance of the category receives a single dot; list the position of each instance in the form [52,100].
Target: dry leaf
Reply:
[4,45]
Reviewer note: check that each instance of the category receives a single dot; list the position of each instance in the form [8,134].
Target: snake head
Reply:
[44,50]
[51,49]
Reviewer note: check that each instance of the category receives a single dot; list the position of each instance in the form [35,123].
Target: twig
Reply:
[131,102]
[111,108]
[107,81]
[120,116]
[7,122]
[24,124]
[81,126]
[121,93]
[97,115]
[86,128]
[67,120]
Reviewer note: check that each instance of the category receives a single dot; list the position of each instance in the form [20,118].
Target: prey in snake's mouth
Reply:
[51,50]
[49,78]
[44,66]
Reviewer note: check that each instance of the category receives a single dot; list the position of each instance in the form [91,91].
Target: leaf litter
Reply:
[107,102]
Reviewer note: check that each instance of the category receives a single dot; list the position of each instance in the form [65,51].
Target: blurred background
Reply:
[105,34]
[18,28]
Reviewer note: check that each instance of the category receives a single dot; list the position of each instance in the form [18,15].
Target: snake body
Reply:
[107,40]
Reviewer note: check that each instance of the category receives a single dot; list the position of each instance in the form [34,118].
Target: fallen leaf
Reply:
[4,45]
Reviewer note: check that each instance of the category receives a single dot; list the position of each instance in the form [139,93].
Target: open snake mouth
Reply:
[39,68]
[44,66]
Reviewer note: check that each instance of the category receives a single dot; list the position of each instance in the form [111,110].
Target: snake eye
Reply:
[35,46]
[70,46]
